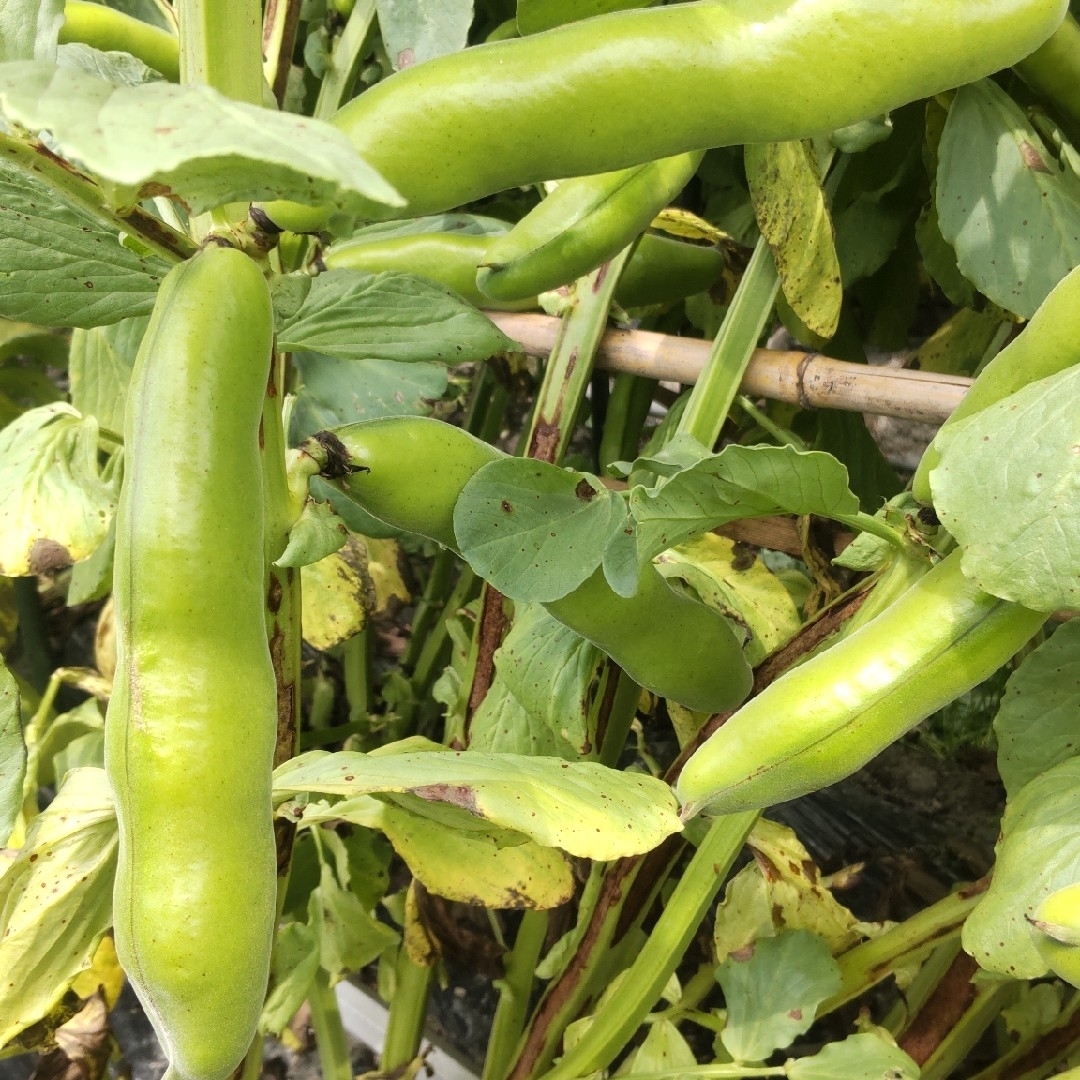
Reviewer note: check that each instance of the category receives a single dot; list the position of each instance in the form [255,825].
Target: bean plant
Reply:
[417,404]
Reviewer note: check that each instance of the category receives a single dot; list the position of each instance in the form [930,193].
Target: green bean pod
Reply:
[629,87]
[190,729]
[1053,72]
[661,270]
[584,222]
[826,718]
[110,30]
[409,473]
[1055,930]
[1048,344]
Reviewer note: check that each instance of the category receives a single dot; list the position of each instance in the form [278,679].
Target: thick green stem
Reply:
[867,964]
[570,364]
[619,718]
[718,384]
[620,1015]
[344,65]
[221,46]
[405,1025]
[515,990]
[81,192]
[335,1062]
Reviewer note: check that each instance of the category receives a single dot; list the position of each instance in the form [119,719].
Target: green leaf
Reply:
[56,502]
[1036,723]
[118,68]
[100,363]
[315,535]
[1038,853]
[581,807]
[388,316]
[785,185]
[858,1057]
[295,962]
[474,868]
[740,482]
[29,28]
[348,935]
[423,29]
[553,673]
[12,754]
[336,392]
[502,725]
[56,900]
[663,1051]
[189,142]
[59,267]
[1006,489]
[1008,208]
[533,530]
[772,990]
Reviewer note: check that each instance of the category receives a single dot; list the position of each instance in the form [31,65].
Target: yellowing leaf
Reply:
[338,595]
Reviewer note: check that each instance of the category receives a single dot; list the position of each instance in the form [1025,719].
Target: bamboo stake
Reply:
[807,379]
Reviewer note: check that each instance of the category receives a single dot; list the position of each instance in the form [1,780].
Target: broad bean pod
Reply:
[629,87]
[190,729]
[109,30]
[660,271]
[584,222]
[1055,930]
[826,718]
[1048,344]
[409,471]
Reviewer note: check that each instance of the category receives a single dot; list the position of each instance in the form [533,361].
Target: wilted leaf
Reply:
[56,900]
[12,754]
[581,807]
[475,869]
[337,595]
[56,502]
[100,365]
[791,211]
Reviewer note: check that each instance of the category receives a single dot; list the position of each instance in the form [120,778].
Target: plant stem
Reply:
[619,1016]
[405,1024]
[280,22]
[344,65]
[221,46]
[866,965]
[80,192]
[732,348]
[335,1062]
[620,716]
[515,990]
[33,635]
[570,364]
[954,1049]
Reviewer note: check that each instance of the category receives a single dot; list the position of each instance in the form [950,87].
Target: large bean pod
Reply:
[191,724]
[826,718]
[621,89]
[412,470]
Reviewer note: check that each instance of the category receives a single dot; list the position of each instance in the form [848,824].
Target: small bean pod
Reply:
[584,222]
[1055,930]
[660,271]
[826,718]
[409,472]
[190,729]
